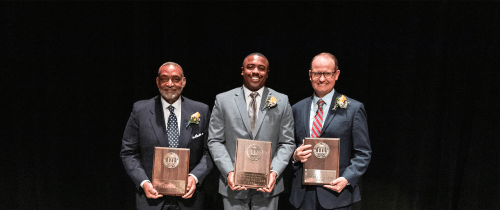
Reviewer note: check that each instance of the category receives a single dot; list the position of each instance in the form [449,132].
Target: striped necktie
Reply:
[318,120]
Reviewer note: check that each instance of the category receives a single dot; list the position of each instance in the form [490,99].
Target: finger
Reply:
[330,187]
[237,187]
[306,152]
[260,190]
[303,160]
[189,194]
[307,146]
[153,192]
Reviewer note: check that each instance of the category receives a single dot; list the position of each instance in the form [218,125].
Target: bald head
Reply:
[326,55]
[171,64]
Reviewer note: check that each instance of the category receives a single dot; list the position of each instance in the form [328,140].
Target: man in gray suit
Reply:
[243,113]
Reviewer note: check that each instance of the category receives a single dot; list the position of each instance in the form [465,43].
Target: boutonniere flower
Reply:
[195,119]
[341,102]
[271,102]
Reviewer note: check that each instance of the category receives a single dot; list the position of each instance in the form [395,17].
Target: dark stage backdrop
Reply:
[426,73]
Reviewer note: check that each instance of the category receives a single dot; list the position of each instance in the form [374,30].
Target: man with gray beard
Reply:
[164,121]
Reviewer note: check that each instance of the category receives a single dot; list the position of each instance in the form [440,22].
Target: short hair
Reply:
[171,64]
[257,54]
[329,55]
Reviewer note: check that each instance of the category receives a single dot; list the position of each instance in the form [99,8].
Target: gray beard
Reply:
[166,95]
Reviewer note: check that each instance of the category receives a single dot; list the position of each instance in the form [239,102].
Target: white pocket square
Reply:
[197,135]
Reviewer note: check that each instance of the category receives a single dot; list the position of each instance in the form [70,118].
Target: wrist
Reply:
[294,156]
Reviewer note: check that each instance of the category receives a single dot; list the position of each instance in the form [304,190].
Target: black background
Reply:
[425,71]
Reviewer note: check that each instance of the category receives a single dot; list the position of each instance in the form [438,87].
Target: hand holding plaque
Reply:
[322,166]
[302,153]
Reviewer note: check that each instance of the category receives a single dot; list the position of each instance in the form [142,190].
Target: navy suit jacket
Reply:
[350,125]
[146,128]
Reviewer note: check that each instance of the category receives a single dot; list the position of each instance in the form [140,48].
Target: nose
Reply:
[170,83]
[322,78]
[255,70]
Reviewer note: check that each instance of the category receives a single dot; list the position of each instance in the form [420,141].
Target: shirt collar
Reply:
[247,92]
[176,104]
[327,98]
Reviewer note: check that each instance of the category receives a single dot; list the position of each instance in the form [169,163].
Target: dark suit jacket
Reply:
[146,128]
[349,124]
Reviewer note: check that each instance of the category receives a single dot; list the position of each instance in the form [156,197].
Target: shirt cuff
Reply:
[142,183]
[275,172]
[194,177]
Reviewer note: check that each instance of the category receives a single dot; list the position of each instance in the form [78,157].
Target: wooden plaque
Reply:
[252,164]
[170,170]
[322,167]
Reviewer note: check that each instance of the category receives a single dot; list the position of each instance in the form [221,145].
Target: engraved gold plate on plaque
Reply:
[169,187]
[322,167]
[252,179]
[252,163]
[319,176]
[170,170]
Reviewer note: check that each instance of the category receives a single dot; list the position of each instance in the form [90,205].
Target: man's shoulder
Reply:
[195,104]
[352,102]
[301,103]
[277,94]
[145,103]
[229,93]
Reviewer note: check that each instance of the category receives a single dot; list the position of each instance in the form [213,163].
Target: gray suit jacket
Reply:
[230,121]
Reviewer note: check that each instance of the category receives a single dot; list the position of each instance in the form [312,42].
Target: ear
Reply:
[158,82]
[337,75]
[183,82]
[310,76]
[242,70]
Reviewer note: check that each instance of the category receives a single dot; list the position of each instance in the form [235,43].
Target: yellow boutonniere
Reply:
[341,102]
[195,119]
[271,102]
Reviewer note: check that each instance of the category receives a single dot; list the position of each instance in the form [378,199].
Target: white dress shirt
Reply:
[258,98]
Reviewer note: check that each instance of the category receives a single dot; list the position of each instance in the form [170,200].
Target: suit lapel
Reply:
[331,112]
[262,110]
[185,132]
[307,116]
[157,120]
[239,99]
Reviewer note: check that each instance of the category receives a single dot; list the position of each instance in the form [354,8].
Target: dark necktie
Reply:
[252,112]
[318,120]
[172,130]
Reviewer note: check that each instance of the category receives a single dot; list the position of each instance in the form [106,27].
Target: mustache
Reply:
[168,88]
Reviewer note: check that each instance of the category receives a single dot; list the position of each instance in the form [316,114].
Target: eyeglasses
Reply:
[327,75]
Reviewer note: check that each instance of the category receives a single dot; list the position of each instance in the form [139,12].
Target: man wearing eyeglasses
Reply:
[329,114]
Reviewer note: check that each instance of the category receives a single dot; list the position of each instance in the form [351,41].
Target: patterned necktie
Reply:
[172,130]
[252,112]
[318,120]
